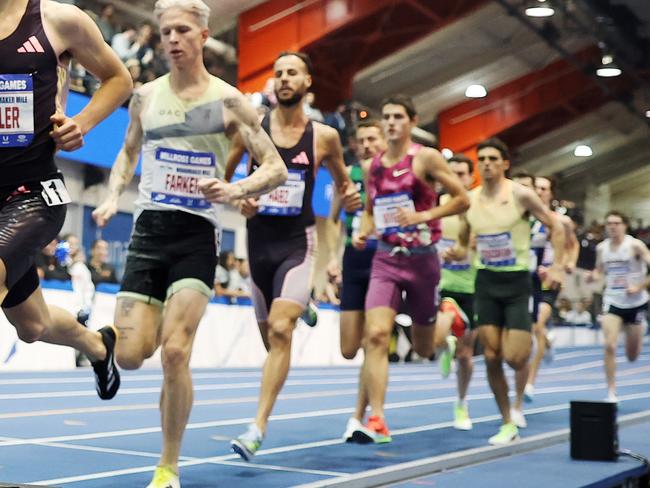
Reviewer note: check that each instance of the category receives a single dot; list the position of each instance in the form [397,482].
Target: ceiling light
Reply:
[647,113]
[583,151]
[539,9]
[608,69]
[475,91]
[447,153]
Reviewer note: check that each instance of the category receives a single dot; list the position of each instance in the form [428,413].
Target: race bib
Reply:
[176,177]
[16,110]
[385,212]
[441,246]
[55,193]
[617,275]
[496,250]
[285,200]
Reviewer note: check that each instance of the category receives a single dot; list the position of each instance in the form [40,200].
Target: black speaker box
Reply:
[594,433]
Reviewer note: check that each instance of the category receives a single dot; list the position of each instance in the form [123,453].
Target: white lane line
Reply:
[294,396]
[309,445]
[197,375]
[308,414]
[397,378]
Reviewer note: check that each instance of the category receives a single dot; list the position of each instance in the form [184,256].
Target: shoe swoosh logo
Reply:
[399,172]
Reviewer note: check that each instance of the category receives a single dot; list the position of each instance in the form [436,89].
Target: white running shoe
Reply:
[612,398]
[517,417]
[353,424]
[529,393]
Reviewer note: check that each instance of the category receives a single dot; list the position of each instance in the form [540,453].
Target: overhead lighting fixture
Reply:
[647,113]
[583,151]
[447,153]
[608,68]
[540,8]
[476,91]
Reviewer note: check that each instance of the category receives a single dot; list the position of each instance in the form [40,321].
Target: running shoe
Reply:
[461,322]
[310,315]
[461,417]
[518,418]
[107,376]
[507,433]
[612,398]
[447,356]
[164,477]
[549,353]
[375,431]
[352,426]
[529,393]
[247,444]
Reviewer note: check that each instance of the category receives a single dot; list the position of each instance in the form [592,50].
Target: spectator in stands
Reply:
[47,265]
[310,111]
[105,22]
[579,315]
[331,293]
[337,120]
[227,279]
[245,274]
[82,283]
[101,271]
[141,49]
[123,41]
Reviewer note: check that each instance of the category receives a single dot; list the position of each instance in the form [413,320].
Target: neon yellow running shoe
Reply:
[461,417]
[507,433]
[164,477]
[447,357]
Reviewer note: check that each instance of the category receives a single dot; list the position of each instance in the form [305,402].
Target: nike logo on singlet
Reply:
[399,172]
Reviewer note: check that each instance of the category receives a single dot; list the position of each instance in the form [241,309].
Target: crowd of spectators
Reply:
[232,277]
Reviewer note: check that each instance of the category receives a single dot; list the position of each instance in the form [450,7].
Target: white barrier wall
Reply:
[227,337]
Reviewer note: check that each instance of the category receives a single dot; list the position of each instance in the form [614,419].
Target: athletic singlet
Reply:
[184,141]
[353,219]
[622,269]
[287,211]
[33,85]
[502,231]
[398,187]
[456,276]
[541,250]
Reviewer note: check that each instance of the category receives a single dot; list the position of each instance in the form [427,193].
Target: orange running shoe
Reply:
[375,431]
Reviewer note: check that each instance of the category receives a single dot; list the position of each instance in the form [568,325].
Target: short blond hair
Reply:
[196,7]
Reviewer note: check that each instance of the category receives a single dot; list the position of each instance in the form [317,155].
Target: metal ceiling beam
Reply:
[577,63]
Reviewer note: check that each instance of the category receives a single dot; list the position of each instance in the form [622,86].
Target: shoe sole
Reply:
[116,371]
[463,427]
[240,449]
[360,437]
[514,439]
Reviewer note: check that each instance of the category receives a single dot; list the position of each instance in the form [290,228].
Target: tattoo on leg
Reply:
[126,305]
[124,331]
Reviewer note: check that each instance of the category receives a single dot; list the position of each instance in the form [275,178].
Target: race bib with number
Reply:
[496,250]
[176,177]
[55,193]
[385,212]
[285,200]
[441,246]
[16,110]
[617,274]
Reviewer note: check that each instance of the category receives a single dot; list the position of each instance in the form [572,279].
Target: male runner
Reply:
[281,228]
[181,123]
[402,200]
[357,263]
[544,297]
[456,313]
[38,40]
[624,261]
[498,218]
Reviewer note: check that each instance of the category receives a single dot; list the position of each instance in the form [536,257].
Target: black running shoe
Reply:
[107,376]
